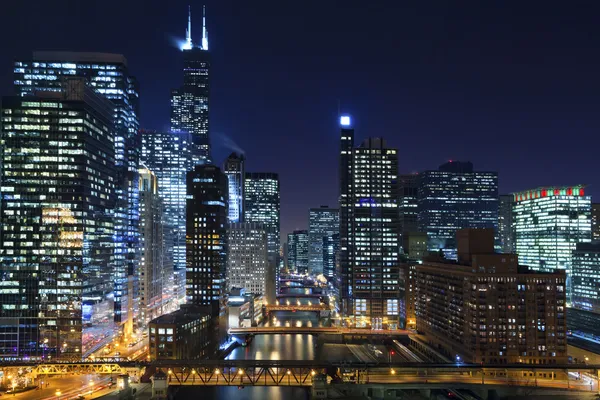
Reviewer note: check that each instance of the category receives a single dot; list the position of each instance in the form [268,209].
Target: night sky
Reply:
[511,86]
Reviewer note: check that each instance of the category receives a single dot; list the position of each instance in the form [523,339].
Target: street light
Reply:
[457,359]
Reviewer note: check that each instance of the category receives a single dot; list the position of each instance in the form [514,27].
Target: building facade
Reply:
[234,169]
[154,294]
[108,75]
[262,205]
[247,260]
[190,102]
[454,197]
[322,221]
[408,203]
[488,309]
[297,245]
[585,279]
[331,247]
[169,156]
[57,220]
[596,221]
[206,233]
[506,232]
[369,231]
[549,222]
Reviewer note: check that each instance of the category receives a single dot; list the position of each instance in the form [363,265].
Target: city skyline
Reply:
[535,90]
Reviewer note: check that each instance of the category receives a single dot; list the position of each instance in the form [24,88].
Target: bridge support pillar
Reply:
[160,385]
[318,390]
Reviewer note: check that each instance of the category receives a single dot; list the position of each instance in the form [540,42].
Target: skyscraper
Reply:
[408,205]
[331,246]
[57,220]
[596,221]
[234,169]
[190,102]
[586,277]
[456,197]
[169,156]
[247,261]
[506,233]
[322,221]
[549,222]
[206,225]
[109,76]
[297,245]
[369,227]
[262,205]
[154,266]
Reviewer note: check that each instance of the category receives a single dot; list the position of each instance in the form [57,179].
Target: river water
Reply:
[268,347]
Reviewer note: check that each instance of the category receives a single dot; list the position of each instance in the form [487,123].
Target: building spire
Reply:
[188,32]
[204,33]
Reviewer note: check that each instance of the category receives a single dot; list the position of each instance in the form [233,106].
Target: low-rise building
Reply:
[244,309]
[187,333]
[486,308]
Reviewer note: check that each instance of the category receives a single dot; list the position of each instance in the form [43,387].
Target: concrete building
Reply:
[486,308]
[406,280]
[182,335]
[247,259]
[369,231]
[454,197]
[414,245]
[549,222]
[298,244]
[322,221]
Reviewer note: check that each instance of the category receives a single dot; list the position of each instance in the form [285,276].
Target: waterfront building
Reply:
[57,218]
[184,334]
[486,308]
[454,197]
[322,221]
[549,222]
[108,75]
[369,231]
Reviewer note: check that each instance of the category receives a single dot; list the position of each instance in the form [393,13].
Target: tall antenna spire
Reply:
[204,33]
[188,32]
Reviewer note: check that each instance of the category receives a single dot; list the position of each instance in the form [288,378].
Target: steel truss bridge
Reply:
[302,373]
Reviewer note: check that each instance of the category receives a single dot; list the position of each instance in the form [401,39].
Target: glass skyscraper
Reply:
[58,199]
[169,156]
[331,246]
[262,205]
[234,169]
[190,102]
[297,251]
[109,76]
[586,277]
[369,231]
[549,222]
[322,221]
[456,197]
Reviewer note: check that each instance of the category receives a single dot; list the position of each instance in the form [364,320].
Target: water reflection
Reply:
[277,347]
[248,393]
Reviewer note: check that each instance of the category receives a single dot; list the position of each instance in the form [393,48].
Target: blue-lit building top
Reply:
[453,197]
[108,75]
[233,167]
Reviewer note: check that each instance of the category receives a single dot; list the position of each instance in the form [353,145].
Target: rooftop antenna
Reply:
[188,32]
[204,33]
